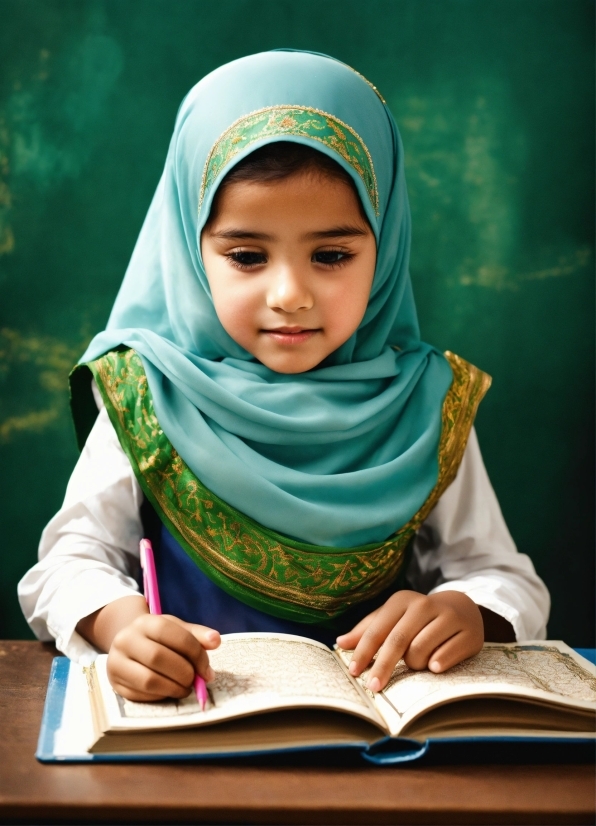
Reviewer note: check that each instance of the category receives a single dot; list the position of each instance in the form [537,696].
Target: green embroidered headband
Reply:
[299,121]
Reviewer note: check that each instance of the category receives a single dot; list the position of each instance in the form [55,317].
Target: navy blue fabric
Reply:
[187,593]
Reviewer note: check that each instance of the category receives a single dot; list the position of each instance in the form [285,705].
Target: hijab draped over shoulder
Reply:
[344,454]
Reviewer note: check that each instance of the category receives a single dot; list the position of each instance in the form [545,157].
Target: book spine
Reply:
[53,708]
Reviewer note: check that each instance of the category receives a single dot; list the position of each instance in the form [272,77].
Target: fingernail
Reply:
[339,639]
[353,668]
[434,666]
[212,636]
[209,674]
[374,684]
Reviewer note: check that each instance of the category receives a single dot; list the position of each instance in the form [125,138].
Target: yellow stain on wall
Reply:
[53,360]
[36,420]
[463,190]
[6,240]
[8,139]
[465,161]
[565,266]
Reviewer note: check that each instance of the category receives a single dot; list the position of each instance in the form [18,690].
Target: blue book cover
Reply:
[324,710]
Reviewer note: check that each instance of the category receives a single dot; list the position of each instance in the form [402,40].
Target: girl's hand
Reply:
[437,631]
[157,656]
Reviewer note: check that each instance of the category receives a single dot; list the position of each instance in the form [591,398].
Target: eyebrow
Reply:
[346,231]
[241,234]
[334,232]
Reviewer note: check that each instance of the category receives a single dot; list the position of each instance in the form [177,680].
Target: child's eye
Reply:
[331,257]
[245,260]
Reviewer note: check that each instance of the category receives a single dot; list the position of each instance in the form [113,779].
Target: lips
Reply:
[290,335]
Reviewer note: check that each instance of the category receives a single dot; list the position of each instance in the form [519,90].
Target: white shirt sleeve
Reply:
[464,545]
[88,555]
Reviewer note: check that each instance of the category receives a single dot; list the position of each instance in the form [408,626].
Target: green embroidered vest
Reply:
[281,576]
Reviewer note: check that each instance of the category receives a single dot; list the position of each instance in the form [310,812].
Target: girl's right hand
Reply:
[157,656]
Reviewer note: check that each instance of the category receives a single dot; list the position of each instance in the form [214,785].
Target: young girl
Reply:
[269,415]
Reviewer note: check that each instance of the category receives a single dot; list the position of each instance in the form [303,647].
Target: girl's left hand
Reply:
[436,631]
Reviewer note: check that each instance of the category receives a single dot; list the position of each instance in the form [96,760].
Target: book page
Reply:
[547,671]
[254,672]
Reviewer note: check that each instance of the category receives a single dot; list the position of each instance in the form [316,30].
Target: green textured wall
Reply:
[495,100]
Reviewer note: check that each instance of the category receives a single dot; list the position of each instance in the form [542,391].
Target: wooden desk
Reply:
[245,793]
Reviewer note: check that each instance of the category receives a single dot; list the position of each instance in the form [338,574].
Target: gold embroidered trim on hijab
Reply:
[298,121]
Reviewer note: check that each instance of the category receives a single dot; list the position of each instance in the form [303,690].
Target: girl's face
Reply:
[290,265]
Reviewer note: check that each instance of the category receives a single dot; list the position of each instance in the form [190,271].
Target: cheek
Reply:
[228,296]
[235,307]
[346,305]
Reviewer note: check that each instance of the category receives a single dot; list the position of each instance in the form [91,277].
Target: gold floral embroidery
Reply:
[253,563]
[298,121]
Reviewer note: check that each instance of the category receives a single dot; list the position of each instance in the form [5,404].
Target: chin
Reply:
[287,370]
[290,367]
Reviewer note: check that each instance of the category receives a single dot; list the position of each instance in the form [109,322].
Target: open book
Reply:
[275,692]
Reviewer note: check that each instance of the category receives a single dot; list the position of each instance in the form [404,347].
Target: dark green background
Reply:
[495,100]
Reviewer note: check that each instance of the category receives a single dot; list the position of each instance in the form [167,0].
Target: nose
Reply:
[288,291]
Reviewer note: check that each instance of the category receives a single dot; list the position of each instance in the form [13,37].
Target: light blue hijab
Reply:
[344,454]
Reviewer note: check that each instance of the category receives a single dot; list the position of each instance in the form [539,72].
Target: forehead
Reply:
[309,196]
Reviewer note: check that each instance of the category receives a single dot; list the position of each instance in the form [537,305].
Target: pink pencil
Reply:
[153,601]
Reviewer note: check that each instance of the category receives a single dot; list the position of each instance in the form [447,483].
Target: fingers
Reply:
[437,631]
[455,650]
[185,639]
[352,638]
[429,638]
[415,615]
[469,637]
[158,656]
[195,646]
[208,637]
[378,627]
[443,643]
[135,681]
